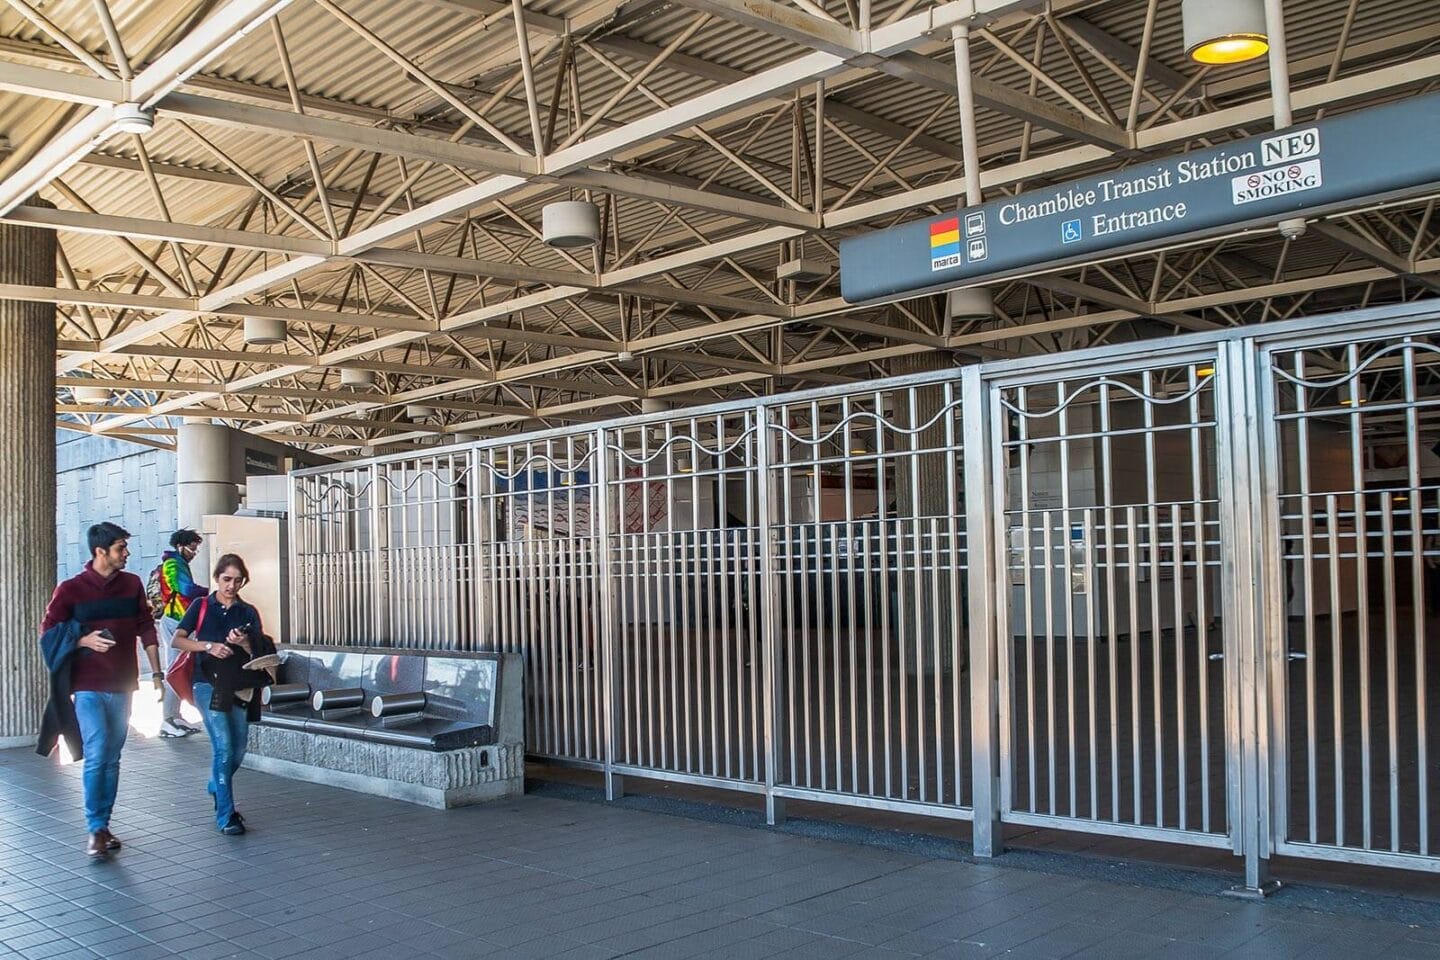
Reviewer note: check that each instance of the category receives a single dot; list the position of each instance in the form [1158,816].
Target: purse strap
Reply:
[204,606]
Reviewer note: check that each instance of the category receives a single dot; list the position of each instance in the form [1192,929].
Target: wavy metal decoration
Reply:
[695,445]
[331,487]
[545,457]
[881,421]
[1364,364]
[452,484]
[1108,382]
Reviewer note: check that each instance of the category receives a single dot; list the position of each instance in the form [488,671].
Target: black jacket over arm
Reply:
[59,646]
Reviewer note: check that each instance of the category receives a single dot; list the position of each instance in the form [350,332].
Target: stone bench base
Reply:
[449,778]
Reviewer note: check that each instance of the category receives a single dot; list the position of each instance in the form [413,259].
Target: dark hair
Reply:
[231,560]
[102,536]
[184,537]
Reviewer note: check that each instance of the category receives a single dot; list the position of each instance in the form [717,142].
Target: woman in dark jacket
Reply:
[224,633]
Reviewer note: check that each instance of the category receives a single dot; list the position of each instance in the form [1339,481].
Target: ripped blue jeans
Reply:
[229,732]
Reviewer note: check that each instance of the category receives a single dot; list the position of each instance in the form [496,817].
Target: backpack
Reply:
[154,594]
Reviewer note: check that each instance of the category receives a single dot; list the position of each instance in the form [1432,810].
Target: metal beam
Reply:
[207,41]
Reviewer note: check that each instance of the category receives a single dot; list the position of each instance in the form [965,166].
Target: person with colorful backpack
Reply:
[171,589]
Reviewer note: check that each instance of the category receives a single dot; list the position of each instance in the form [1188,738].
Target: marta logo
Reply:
[945,244]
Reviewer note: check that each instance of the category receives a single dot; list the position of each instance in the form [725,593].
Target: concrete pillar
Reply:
[204,482]
[27,477]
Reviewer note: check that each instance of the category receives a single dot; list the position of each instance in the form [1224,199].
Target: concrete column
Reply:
[27,477]
[204,482]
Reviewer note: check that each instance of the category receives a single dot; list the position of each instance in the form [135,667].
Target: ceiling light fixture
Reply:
[356,377]
[1222,32]
[132,118]
[570,223]
[264,331]
[972,303]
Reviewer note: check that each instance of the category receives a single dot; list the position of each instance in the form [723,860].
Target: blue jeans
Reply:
[229,732]
[104,722]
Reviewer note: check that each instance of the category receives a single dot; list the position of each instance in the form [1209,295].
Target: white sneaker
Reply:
[186,725]
[168,728]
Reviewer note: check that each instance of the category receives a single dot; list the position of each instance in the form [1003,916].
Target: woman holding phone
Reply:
[224,634]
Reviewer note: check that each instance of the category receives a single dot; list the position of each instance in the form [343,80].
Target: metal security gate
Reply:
[868,569]
[684,547]
[1353,643]
[1180,590]
[540,586]
[1112,660]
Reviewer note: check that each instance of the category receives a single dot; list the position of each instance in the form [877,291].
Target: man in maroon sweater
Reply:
[112,607]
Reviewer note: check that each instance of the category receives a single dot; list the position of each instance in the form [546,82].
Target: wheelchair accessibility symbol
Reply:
[1070,231]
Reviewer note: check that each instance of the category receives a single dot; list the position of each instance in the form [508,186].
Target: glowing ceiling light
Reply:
[1221,32]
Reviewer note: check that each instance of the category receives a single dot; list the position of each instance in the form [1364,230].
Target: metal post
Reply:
[965,90]
[601,510]
[985,582]
[1293,227]
[379,539]
[769,642]
[1247,597]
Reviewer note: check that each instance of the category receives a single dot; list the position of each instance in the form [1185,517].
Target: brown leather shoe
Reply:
[96,846]
[112,842]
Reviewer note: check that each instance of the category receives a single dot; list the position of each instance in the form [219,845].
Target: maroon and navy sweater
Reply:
[116,604]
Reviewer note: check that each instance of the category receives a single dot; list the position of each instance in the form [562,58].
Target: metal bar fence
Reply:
[1177,590]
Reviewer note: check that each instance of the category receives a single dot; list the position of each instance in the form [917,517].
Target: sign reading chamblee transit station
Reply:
[1310,168]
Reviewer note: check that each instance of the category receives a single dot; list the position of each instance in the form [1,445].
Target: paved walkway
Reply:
[330,874]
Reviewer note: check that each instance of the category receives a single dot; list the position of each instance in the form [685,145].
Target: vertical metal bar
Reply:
[911,623]
[1246,485]
[774,806]
[1182,742]
[982,454]
[1337,669]
[379,536]
[1027,593]
[1091,640]
[1362,554]
[602,511]
[1048,568]
[1419,601]
[832,645]
[1067,598]
[1111,564]
[1152,544]
[852,560]
[1199,498]
[891,574]
[956,571]
[1392,676]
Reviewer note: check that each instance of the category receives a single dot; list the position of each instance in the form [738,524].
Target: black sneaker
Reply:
[234,827]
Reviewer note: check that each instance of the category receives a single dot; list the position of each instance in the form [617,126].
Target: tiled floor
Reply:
[330,874]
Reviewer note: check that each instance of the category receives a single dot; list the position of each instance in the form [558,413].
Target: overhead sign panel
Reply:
[1263,179]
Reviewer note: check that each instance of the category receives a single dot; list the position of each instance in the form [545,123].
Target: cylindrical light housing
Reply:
[1220,32]
[132,118]
[972,303]
[90,394]
[417,411]
[264,331]
[571,223]
[355,377]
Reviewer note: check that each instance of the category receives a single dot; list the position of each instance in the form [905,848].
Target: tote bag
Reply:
[181,675]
